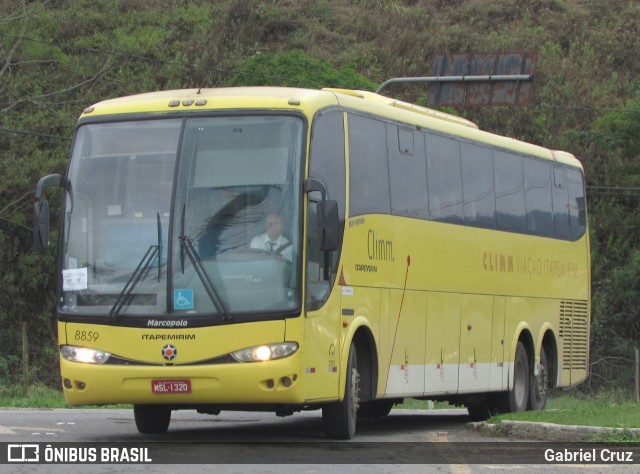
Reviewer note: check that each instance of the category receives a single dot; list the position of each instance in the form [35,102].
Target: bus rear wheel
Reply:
[517,399]
[540,384]
[339,419]
[151,418]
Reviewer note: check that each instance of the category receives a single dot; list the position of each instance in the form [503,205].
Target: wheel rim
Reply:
[542,382]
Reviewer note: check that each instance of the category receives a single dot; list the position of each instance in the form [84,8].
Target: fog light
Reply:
[67,384]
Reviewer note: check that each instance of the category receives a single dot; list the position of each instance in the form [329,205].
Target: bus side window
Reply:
[326,161]
[577,207]
[509,179]
[444,178]
[407,173]
[537,192]
[478,186]
[560,203]
[368,172]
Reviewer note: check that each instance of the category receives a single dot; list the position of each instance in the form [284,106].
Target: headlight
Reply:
[266,352]
[84,354]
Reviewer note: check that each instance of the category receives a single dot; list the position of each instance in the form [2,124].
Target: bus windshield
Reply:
[184,216]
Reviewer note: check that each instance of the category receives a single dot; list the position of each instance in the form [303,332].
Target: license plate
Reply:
[170,386]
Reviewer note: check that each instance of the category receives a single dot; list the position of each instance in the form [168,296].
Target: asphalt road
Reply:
[117,425]
[408,441]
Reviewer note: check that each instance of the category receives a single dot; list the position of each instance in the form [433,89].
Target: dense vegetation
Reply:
[58,56]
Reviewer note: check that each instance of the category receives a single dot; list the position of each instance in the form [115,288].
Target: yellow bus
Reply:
[286,249]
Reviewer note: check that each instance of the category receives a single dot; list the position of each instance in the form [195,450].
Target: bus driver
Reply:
[272,240]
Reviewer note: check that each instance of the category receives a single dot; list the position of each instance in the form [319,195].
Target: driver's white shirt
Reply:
[262,242]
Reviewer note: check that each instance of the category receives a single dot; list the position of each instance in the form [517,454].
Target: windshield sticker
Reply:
[114,210]
[183,299]
[74,279]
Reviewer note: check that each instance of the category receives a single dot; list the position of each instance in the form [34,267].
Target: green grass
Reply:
[37,396]
[609,410]
[412,404]
[602,410]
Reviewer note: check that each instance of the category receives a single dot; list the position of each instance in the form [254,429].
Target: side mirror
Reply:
[41,224]
[41,211]
[329,225]
[328,218]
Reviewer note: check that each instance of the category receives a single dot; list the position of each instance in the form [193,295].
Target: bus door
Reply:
[323,319]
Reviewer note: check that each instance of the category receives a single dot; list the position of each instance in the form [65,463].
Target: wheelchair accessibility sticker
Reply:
[182,299]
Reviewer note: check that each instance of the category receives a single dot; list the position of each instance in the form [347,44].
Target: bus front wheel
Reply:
[151,418]
[339,419]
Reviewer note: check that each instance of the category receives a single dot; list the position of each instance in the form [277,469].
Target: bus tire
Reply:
[151,418]
[540,384]
[517,399]
[339,418]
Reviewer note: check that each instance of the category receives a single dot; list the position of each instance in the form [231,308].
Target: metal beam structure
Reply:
[477,79]
[436,79]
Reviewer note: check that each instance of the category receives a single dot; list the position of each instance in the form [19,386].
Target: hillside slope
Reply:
[58,56]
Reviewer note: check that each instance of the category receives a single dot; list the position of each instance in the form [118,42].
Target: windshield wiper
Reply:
[186,247]
[125,297]
[159,246]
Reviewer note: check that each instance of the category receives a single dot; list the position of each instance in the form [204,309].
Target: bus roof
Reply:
[238,98]
[309,101]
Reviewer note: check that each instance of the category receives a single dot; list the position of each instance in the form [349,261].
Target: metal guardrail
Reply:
[443,79]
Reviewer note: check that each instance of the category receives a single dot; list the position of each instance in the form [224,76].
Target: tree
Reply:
[613,173]
[296,69]
[56,60]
